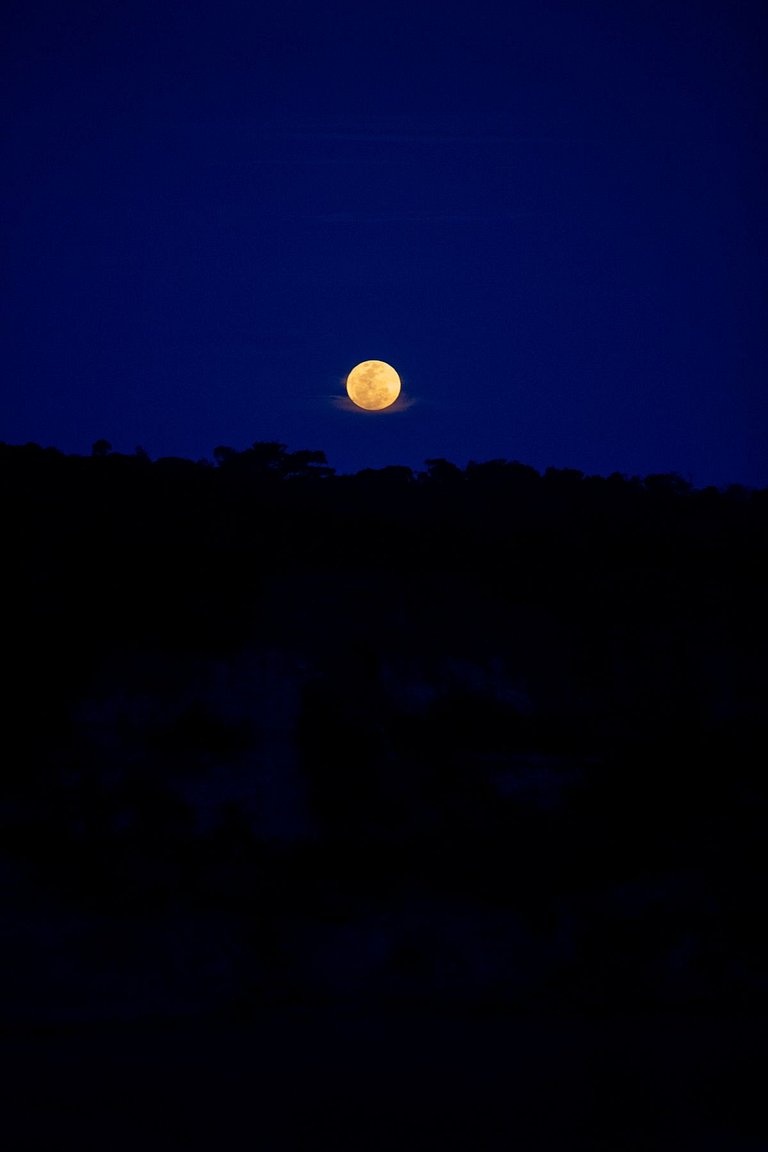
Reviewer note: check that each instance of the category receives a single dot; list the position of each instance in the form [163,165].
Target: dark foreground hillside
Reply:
[391,780]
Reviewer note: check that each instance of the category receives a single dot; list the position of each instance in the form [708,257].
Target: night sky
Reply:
[549,217]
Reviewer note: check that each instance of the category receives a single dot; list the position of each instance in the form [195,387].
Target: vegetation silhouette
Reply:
[482,734]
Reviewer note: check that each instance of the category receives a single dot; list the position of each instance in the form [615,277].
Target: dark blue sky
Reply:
[550,217]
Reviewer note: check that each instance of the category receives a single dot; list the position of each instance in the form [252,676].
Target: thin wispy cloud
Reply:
[426,134]
[344,404]
[411,217]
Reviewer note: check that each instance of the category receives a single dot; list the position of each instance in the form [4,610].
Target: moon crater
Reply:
[373,385]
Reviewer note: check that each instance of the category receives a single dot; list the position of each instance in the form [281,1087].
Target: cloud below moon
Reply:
[402,404]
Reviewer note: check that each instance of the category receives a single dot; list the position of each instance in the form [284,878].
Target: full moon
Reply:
[373,385]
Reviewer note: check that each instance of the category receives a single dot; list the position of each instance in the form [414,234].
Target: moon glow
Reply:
[373,385]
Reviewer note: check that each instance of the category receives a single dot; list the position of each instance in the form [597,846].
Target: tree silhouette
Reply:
[540,694]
